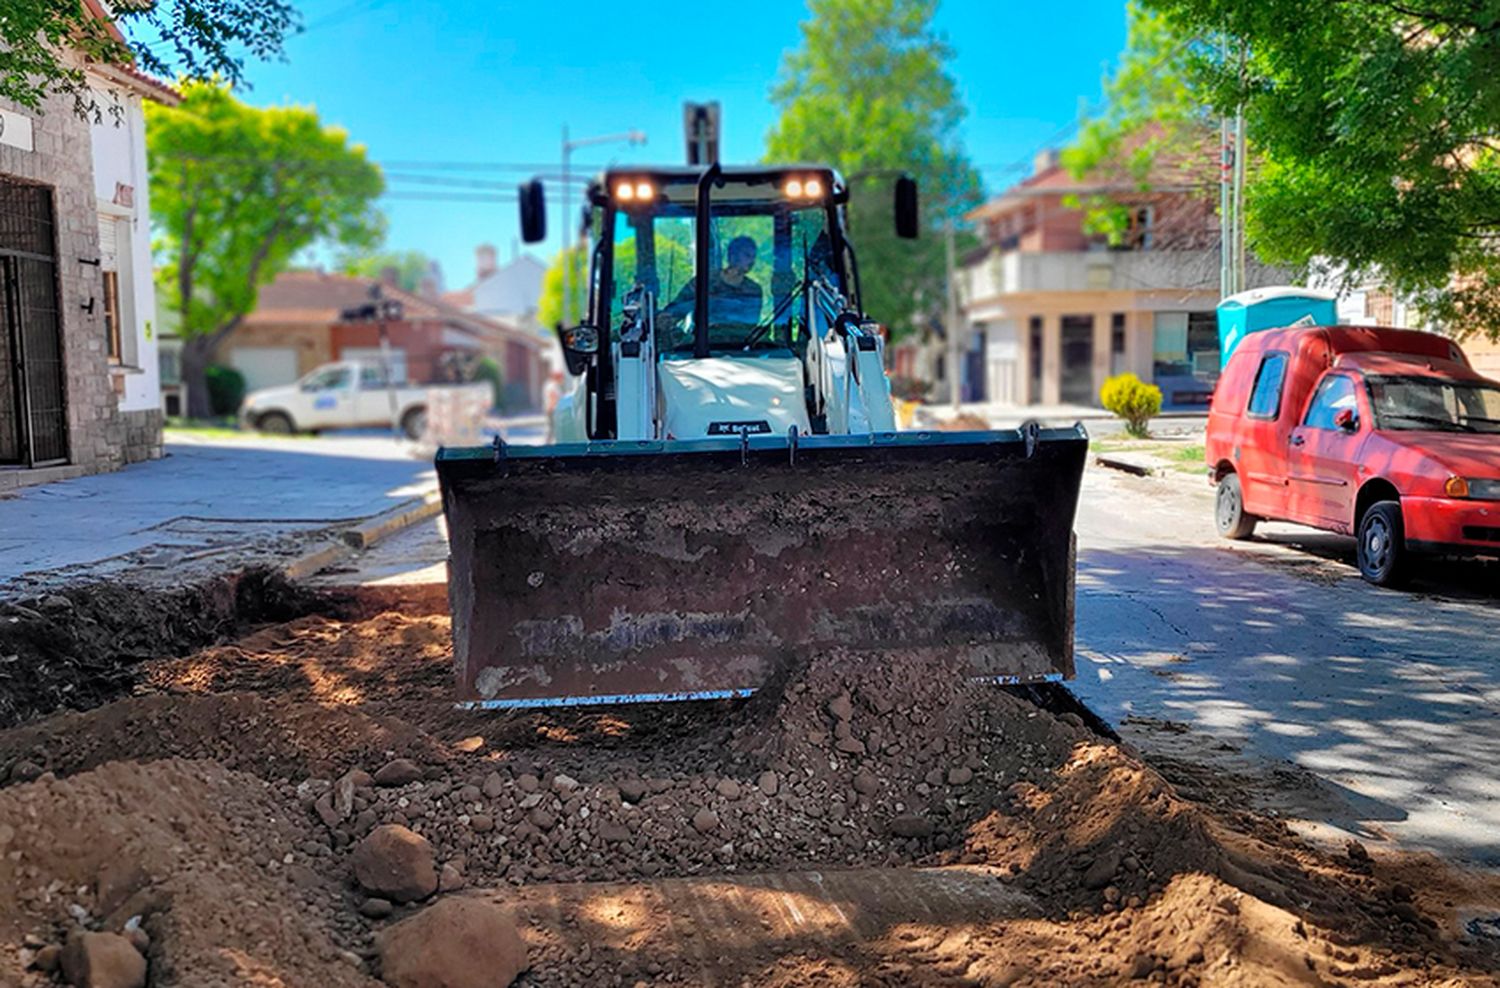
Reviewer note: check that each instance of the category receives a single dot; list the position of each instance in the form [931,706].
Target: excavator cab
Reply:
[727,488]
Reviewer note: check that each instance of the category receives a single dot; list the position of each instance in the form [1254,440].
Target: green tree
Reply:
[1150,129]
[549,307]
[1373,127]
[195,38]
[411,266]
[235,193]
[869,93]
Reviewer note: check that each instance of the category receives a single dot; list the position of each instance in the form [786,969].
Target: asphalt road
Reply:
[1267,664]
[1246,657]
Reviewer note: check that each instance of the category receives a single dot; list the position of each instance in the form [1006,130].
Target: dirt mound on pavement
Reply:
[229,887]
[839,764]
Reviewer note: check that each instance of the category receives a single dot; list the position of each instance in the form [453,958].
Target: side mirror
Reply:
[1345,420]
[533,211]
[907,218]
[579,345]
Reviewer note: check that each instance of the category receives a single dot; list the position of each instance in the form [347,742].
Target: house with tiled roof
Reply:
[306,318]
[1050,308]
[78,339]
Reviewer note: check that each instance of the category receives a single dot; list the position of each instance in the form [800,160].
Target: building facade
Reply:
[306,318]
[1049,310]
[77,308]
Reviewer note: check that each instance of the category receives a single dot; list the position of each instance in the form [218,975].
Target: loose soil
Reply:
[217,804]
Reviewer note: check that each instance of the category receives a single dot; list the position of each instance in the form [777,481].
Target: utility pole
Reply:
[570,231]
[955,350]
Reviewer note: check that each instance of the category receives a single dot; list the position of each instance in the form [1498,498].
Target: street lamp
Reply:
[570,232]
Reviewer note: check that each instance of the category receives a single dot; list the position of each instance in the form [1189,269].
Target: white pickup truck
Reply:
[347,394]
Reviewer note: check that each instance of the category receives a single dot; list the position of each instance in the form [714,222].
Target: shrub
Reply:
[487,369]
[1133,400]
[909,388]
[226,389]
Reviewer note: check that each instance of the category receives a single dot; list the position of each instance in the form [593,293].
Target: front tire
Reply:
[1230,517]
[414,423]
[275,424]
[1383,557]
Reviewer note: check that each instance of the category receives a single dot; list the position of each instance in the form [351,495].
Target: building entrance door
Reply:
[1077,385]
[33,416]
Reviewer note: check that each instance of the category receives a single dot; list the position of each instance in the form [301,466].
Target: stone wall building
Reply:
[77,352]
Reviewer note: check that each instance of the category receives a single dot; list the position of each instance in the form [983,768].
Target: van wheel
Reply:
[275,423]
[1229,510]
[1382,554]
[414,423]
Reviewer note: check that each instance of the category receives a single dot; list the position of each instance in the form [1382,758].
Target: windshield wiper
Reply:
[776,313]
[1449,423]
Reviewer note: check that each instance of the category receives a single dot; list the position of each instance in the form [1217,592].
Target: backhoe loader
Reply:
[726,489]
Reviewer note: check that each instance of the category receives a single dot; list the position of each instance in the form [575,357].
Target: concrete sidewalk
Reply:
[209,503]
[1097,421]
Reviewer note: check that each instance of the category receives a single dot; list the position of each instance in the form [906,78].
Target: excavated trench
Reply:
[847,825]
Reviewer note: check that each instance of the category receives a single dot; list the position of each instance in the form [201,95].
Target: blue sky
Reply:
[427,81]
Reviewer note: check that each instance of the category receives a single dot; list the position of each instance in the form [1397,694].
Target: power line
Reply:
[449,197]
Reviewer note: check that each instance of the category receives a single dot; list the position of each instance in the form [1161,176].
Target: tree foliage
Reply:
[195,38]
[1373,126]
[1133,400]
[411,266]
[869,93]
[549,307]
[235,193]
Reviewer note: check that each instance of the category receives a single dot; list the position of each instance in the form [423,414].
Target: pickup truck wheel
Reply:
[275,423]
[414,423]
[1229,510]
[1382,554]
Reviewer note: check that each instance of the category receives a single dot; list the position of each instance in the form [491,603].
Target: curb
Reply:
[362,536]
[1128,466]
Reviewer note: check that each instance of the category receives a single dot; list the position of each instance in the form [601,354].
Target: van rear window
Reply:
[1265,397]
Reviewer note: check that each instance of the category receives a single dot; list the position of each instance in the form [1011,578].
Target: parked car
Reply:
[1384,434]
[340,395]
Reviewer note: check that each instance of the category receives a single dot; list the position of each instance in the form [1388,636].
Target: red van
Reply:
[1385,434]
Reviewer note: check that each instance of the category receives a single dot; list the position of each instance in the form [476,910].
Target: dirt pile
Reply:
[316,732]
[227,885]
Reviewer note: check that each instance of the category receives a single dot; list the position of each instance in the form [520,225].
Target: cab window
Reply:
[1335,394]
[327,379]
[1265,397]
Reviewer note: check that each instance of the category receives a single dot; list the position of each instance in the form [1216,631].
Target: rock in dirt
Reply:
[841,707]
[102,960]
[450,879]
[769,783]
[1102,871]
[705,820]
[395,863]
[865,784]
[632,790]
[398,772]
[458,942]
[493,785]
[48,958]
[728,788]
[376,908]
[908,825]
[960,776]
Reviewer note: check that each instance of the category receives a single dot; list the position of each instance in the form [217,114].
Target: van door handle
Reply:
[1298,440]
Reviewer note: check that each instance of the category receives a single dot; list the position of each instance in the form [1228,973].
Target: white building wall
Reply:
[122,195]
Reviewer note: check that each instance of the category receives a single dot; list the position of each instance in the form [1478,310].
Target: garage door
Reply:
[265,366]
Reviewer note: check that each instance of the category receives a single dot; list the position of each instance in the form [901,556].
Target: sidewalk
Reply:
[1097,421]
[209,504]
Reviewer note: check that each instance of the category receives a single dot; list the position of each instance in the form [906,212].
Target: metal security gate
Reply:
[33,414]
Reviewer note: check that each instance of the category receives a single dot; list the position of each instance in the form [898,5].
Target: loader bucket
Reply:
[617,572]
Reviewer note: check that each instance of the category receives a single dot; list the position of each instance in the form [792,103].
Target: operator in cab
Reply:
[734,298]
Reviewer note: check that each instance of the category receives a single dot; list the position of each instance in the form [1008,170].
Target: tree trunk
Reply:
[197,354]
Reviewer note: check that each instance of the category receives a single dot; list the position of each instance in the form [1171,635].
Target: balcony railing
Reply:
[1014,272]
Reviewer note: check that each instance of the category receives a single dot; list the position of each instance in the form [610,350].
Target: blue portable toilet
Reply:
[1271,308]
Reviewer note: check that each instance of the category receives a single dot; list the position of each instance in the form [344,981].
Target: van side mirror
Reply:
[1346,420]
[908,221]
[579,345]
[533,211]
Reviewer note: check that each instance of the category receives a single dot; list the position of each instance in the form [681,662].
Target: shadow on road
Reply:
[1394,696]
[1461,579]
